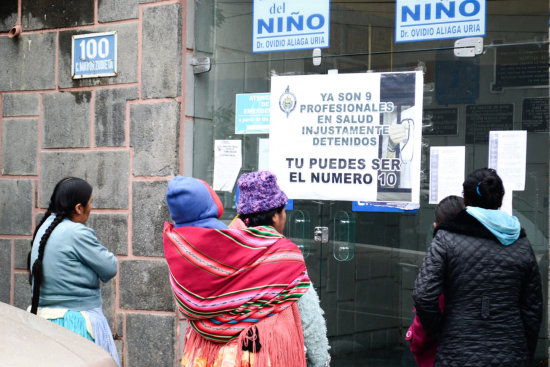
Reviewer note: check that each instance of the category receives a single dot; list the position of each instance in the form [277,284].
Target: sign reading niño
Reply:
[290,25]
[423,20]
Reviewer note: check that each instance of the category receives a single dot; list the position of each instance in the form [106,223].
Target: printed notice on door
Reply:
[447,165]
[352,137]
[227,164]
[508,156]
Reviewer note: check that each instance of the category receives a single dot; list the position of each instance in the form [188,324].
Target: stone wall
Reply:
[122,134]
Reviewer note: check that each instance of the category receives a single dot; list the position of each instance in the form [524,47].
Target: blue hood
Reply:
[505,227]
[193,203]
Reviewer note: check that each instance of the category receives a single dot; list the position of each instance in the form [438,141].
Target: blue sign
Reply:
[424,20]
[94,55]
[252,113]
[289,205]
[290,25]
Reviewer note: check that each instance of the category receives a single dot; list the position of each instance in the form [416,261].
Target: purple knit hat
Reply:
[259,192]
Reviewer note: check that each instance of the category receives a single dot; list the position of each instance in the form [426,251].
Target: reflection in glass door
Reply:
[365,273]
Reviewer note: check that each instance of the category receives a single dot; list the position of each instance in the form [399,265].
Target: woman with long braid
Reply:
[66,263]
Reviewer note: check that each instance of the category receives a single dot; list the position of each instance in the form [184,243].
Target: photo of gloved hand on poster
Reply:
[397,185]
[399,144]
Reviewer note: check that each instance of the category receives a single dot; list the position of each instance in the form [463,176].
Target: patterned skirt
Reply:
[227,357]
[90,324]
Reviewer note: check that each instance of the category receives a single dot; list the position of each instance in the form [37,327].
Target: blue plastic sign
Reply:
[290,25]
[252,113]
[424,20]
[94,55]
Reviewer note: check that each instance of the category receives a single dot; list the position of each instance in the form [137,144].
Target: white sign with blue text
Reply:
[283,25]
[424,20]
[252,113]
[94,55]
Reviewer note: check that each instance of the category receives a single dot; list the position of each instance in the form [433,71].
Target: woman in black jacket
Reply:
[486,267]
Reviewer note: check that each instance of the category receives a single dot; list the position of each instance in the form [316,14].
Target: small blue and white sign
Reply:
[425,20]
[252,113]
[284,25]
[94,55]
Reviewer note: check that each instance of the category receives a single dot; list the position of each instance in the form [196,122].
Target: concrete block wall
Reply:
[122,134]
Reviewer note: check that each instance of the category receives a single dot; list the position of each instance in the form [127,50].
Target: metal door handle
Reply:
[320,235]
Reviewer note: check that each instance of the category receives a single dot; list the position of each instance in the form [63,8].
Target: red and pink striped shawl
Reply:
[226,280]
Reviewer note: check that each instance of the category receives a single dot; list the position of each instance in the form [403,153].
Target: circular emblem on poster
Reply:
[287,101]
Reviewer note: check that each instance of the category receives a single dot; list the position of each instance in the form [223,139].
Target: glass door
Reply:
[365,271]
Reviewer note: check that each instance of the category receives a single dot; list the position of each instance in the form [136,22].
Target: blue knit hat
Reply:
[193,203]
[259,192]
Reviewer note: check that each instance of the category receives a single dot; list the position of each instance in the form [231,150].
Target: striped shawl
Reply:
[225,281]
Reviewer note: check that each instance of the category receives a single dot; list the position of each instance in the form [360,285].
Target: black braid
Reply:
[51,209]
[46,215]
[36,273]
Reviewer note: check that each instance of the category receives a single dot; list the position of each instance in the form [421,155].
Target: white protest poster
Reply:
[227,164]
[347,136]
[508,156]
[447,165]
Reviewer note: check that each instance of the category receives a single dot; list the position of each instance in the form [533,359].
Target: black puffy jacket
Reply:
[493,296]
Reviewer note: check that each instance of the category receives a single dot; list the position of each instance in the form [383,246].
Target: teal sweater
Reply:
[73,263]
